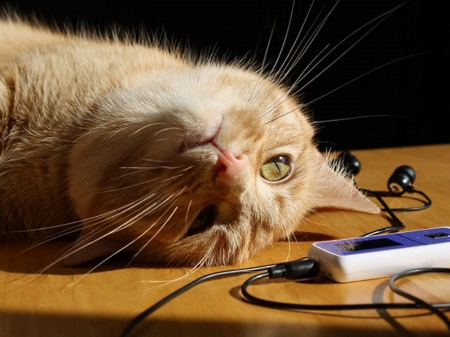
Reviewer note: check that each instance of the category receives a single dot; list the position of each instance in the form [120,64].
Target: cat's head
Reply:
[207,164]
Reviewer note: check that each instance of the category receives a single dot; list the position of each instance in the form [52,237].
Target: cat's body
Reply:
[137,148]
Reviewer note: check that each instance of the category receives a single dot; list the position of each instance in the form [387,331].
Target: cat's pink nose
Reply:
[231,166]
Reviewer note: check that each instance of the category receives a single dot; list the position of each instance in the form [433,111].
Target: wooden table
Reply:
[69,302]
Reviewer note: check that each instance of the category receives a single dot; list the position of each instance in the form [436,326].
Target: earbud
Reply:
[401,180]
[350,162]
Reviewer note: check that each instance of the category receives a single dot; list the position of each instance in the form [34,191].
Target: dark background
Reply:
[411,93]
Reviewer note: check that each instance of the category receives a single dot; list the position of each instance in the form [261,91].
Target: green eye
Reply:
[276,168]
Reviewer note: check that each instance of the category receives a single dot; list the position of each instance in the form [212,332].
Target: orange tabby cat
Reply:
[138,148]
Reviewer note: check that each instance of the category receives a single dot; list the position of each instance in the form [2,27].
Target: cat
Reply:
[144,148]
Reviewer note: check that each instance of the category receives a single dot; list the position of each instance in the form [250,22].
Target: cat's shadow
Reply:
[24,258]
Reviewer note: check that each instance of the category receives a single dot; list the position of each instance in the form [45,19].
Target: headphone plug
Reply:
[305,268]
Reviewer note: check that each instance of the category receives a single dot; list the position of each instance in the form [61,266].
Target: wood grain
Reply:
[61,301]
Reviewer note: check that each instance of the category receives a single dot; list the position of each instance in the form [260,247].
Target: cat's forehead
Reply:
[230,88]
[202,92]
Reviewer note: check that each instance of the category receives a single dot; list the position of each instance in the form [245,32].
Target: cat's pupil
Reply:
[276,168]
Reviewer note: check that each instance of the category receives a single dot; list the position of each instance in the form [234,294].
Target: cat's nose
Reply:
[231,166]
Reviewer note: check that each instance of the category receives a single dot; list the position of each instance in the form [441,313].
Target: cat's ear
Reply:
[334,190]
[87,249]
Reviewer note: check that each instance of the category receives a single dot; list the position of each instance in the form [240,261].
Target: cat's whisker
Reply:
[145,183]
[186,218]
[144,128]
[86,223]
[318,59]
[316,223]
[149,168]
[375,21]
[127,187]
[295,44]
[167,129]
[142,213]
[109,257]
[72,223]
[262,67]
[309,68]
[75,248]
[149,209]
[175,177]
[353,118]
[132,108]
[95,221]
[360,76]
[154,235]
[156,160]
[310,36]
[139,169]
[284,40]
[191,271]
[281,116]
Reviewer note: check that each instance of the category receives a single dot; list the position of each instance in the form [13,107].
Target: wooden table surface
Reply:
[62,301]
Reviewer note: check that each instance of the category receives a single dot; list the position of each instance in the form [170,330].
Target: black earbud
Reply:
[350,162]
[401,180]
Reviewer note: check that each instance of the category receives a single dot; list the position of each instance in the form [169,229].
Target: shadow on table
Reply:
[25,324]
[26,258]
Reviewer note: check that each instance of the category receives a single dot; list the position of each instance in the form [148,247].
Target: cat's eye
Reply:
[276,168]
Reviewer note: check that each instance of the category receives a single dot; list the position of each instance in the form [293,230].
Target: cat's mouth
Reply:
[204,220]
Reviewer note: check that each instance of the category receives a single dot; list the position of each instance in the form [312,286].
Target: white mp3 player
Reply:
[383,255]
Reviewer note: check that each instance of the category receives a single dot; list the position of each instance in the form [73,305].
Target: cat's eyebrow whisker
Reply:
[353,118]
[378,20]
[281,116]
[266,52]
[295,45]
[361,76]
[307,69]
[310,38]
[284,40]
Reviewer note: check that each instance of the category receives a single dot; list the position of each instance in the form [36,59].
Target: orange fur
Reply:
[132,147]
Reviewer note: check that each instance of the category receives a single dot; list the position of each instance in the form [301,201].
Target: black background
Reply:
[411,93]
